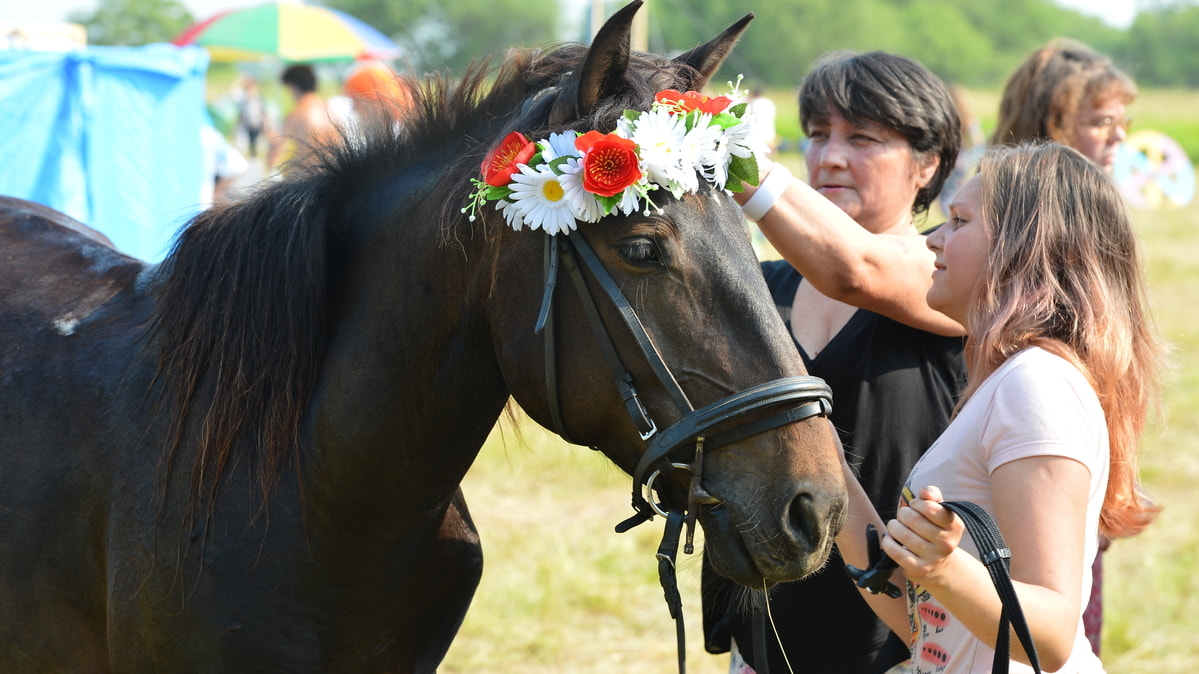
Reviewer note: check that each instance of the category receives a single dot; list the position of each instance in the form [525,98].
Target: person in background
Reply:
[375,83]
[884,135]
[373,88]
[763,112]
[222,164]
[1040,262]
[974,143]
[1068,93]
[306,126]
[251,114]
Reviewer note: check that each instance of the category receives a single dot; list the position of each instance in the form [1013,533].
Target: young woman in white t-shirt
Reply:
[1040,264]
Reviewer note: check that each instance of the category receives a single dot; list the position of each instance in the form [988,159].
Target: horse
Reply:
[21,208]
[247,457]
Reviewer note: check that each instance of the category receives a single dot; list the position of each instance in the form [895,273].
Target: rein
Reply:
[681,445]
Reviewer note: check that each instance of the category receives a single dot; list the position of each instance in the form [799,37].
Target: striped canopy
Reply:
[291,31]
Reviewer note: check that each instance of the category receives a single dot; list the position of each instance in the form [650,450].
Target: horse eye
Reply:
[640,251]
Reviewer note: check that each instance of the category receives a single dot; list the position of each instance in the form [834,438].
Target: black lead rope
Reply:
[995,555]
[993,551]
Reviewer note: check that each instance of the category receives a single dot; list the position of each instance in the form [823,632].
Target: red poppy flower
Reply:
[671,97]
[693,100]
[503,160]
[714,105]
[609,163]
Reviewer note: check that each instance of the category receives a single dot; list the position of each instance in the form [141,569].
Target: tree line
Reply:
[976,44]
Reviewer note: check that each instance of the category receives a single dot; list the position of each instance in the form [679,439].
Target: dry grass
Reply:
[561,591]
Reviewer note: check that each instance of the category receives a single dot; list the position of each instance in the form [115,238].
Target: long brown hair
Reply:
[1064,273]
[1042,98]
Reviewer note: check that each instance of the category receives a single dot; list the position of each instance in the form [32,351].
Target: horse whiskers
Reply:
[753,506]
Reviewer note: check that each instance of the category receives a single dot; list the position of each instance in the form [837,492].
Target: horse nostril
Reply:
[804,521]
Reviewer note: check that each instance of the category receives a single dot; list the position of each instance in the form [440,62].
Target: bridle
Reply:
[682,444]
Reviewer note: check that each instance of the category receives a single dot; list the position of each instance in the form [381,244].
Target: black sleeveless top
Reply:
[893,391]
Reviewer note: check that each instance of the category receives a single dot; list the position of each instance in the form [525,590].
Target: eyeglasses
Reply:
[1109,124]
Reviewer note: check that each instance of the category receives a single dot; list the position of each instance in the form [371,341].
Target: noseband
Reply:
[681,445]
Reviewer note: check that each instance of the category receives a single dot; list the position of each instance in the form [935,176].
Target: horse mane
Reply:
[242,317]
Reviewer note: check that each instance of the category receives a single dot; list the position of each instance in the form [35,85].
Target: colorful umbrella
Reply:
[291,31]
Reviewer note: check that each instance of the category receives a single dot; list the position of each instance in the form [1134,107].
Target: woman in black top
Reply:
[884,134]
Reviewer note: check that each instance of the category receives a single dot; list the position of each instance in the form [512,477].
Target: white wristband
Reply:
[768,193]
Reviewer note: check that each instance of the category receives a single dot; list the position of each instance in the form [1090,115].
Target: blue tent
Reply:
[108,135]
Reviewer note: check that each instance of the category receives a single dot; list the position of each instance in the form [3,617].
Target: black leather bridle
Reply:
[682,444]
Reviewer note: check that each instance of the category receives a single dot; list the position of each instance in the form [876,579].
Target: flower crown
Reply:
[553,184]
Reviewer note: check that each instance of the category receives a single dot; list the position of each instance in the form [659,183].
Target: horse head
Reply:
[656,333]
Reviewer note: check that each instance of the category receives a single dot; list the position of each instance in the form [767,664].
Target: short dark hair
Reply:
[300,76]
[893,91]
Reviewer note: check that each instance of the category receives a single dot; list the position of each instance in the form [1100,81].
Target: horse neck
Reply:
[410,388]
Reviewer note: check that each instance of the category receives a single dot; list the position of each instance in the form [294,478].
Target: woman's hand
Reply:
[923,536]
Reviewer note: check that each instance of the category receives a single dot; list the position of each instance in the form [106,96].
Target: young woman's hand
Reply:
[923,536]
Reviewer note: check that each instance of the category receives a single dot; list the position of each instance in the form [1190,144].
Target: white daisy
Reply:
[633,196]
[660,138]
[743,142]
[706,146]
[539,199]
[559,145]
[583,204]
[510,215]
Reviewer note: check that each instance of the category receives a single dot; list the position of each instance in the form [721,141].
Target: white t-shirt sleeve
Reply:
[1043,406]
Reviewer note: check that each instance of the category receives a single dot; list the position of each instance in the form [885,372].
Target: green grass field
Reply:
[1152,592]
[561,592]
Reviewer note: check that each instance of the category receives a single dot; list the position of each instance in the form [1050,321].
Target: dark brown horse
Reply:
[247,457]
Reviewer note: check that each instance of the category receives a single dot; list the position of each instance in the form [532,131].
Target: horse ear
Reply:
[603,68]
[706,58]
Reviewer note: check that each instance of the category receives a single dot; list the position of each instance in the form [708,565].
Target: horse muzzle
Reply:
[757,551]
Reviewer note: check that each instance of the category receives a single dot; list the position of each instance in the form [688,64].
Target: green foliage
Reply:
[438,34]
[977,43]
[1160,46]
[134,22]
